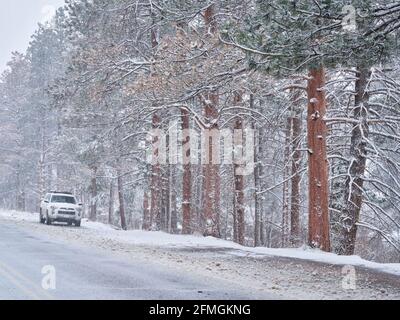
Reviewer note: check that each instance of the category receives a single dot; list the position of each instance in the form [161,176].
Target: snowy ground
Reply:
[295,273]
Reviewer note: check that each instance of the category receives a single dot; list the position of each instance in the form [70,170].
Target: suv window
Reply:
[48,196]
[63,199]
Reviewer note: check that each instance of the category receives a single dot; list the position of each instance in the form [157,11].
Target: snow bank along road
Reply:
[97,262]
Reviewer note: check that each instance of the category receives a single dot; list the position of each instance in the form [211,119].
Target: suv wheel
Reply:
[48,221]
[42,219]
[77,223]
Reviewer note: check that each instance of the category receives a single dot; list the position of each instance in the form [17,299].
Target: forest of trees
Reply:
[310,90]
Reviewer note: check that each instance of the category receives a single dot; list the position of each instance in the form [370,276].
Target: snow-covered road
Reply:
[99,262]
[28,262]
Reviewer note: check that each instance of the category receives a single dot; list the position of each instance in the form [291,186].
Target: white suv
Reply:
[60,207]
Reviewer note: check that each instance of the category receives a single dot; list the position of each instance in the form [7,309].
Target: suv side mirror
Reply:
[45,201]
[80,204]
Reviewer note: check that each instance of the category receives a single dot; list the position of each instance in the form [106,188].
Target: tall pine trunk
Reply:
[121,199]
[146,212]
[259,238]
[239,193]
[358,152]
[111,203]
[173,201]
[187,176]
[93,200]
[238,177]
[42,168]
[20,193]
[318,221]
[156,175]
[155,183]
[166,197]
[165,189]
[257,207]
[296,178]
[211,185]
[285,187]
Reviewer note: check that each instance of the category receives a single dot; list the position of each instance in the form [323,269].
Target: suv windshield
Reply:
[63,199]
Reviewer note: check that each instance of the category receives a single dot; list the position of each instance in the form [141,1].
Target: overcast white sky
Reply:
[18,21]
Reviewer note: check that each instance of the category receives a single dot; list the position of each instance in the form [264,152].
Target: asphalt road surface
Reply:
[31,266]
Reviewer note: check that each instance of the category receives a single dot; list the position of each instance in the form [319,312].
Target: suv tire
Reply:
[48,220]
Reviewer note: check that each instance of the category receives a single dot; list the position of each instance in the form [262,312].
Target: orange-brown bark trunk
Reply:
[318,233]
[211,185]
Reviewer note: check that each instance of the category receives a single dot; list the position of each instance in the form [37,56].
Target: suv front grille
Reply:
[72,213]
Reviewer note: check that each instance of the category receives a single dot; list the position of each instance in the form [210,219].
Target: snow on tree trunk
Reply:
[187,176]
[318,224]
[358,152]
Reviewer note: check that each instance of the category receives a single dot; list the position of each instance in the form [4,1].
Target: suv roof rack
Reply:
[58,192]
